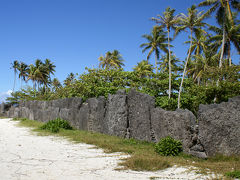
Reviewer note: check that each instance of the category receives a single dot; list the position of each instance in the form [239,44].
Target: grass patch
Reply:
[143,155]
[233,174]
[3,117]
[55,125]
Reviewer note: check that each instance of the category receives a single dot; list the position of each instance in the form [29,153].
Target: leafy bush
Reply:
[55,125]
[233,174]
[168,147]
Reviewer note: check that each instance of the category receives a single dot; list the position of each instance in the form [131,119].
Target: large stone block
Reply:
[178,124]
[81,119]
[139,106]
[116,118]
[69,115]
[3,109]
[96,113]
[219,127]
[75,103]
[68,103]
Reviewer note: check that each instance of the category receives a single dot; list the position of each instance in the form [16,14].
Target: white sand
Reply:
[25,156]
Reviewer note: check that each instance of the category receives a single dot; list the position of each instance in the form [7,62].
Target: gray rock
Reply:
[69,115]
[2,109]
[67,103]
[197,147]
[96,113]
[177,124]
[121,92]
[115,122]
[75,103]
[219,127]
[139,106]
[81,119]
[201,155]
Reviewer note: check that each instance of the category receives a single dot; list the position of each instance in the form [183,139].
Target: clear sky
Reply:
[74,33]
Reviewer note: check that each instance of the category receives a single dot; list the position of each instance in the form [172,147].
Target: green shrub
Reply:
[233,174]
[55,125]
[168,147]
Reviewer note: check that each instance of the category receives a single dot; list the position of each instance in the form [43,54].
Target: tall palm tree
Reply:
[192,21]
[224,12]
[15,66]
[111,60]
[232,37]
[168,20]
[143,69]
[23,70]
[156,42]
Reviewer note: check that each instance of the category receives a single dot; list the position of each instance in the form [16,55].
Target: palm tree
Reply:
[192,21]
[199,42]
[164,64]
[50,67]
[32,75]
[111,60]
[224,12]
[169,21]
[232,37]
[15,66]
[56,83]
[143,69]
[23,69]
[156,42]
[70,78]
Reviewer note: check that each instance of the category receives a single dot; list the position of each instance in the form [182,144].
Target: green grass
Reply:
[233,174]
[3,117]
[143,155]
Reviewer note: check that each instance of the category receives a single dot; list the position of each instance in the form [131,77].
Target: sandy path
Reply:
[24,156]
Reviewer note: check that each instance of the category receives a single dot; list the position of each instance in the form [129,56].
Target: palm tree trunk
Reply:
[14,81]
[221,56]
[170,68]
[184,71]
[222,50]
[229,57]
[156,63]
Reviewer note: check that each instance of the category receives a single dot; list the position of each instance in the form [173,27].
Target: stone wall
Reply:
[134,115]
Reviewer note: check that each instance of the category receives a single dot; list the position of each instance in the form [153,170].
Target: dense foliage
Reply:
[56,124]
[168,147]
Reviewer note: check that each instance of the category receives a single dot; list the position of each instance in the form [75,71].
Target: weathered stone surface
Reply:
[82,116]
[75,103]
[219,127]
[3,109]
[139,106]
[115,122]
[198,154]
[67,103]
[177,124]
[96,113]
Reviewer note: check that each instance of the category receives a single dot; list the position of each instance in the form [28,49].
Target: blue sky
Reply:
[74,33]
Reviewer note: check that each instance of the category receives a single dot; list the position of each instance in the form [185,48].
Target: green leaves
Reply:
[55,125]
[168,147]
